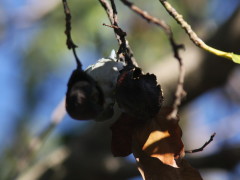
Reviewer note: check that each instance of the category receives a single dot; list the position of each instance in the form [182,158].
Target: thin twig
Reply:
[120,31]
[114,9]
[148,17]
[111,17]
[179,18]
[124,51]
[69,42]
[202,148]
[180,93]
[124,48]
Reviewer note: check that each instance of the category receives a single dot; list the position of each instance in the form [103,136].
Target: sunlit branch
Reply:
[194,37]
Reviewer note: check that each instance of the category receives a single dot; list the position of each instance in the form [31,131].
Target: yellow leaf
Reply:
[236,58]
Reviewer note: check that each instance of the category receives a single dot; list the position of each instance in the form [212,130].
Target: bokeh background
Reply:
[35,65]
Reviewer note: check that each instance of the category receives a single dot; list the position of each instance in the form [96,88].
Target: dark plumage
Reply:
[84,98]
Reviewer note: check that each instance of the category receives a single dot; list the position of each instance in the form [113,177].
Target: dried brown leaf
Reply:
[161,138]
[153,169]
[158,149]
[122,129]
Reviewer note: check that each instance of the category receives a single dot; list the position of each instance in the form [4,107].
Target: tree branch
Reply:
[111,16]
[204,145]
[124,51]
[148,17]
[69,42]
[180,93]
[193,36]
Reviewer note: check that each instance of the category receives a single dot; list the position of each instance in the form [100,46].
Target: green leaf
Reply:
[236,58]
